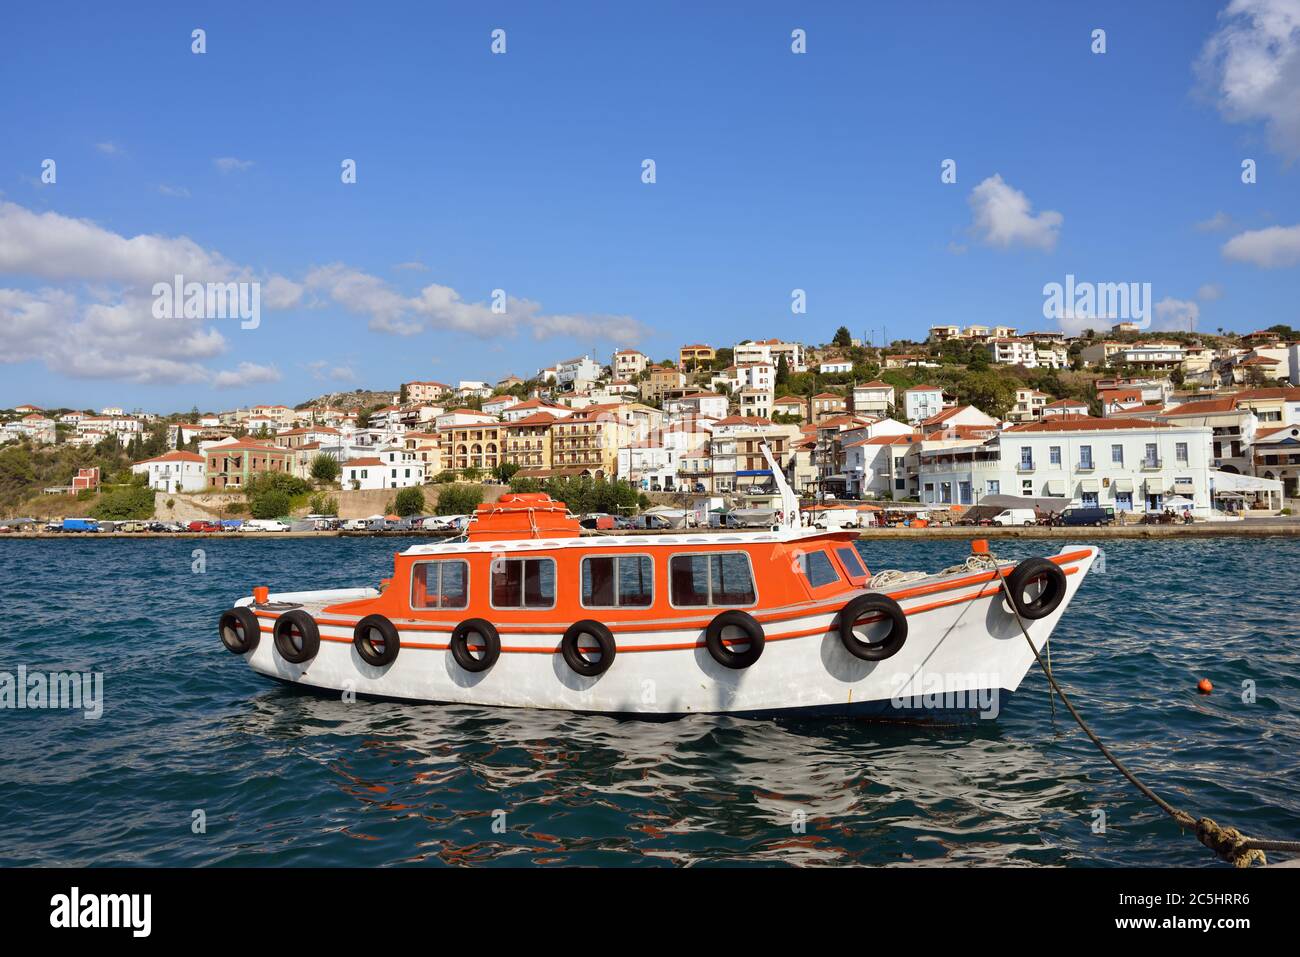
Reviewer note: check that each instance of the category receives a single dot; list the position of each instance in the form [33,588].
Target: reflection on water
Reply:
[287,777]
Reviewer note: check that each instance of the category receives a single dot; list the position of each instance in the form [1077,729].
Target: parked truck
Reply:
[79,525]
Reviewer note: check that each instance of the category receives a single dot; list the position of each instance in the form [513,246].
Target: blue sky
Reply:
[522,172]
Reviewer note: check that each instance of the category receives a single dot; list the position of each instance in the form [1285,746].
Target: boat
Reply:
[528,610]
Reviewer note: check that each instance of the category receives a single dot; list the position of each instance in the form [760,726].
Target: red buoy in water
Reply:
[1204,686]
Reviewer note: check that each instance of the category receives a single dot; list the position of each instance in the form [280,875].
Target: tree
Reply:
[843,338]
[471,474]
[123,503]
[322,504]
[270,503]
[325,468]
[782,370]
[505,472]
[458,499]
[409,501]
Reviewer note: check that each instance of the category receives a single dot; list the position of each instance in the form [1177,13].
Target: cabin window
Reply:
[851,561]
[523,583]
[721,579]
[623,581]
[817,568]
[440,585]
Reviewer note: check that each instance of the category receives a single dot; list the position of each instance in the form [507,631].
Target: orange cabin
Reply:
[548,574]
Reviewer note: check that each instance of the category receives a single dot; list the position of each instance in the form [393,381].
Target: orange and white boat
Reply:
[526,611]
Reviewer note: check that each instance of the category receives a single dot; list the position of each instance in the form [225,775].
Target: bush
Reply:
[290,485]
[269,503]
[410,501]
[325,468]
[458,499]
[129,501]
[322,504]
[444,477]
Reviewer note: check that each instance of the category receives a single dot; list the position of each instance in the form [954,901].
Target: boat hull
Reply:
[963,655]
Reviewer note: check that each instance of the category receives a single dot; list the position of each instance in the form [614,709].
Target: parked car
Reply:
[133,526]
[598,520]
[203,526]
[1087,515]
[1016,516]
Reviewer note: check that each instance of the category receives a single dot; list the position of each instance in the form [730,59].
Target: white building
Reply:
[579,374]
[708,404]
[389,468]
[835,367]
[873,398]
[921,402]
[174,472]
[629,363]
[1131,465]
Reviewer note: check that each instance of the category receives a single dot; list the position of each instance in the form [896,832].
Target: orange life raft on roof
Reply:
[523,515]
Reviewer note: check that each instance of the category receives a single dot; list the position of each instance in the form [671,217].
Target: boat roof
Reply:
[665,540]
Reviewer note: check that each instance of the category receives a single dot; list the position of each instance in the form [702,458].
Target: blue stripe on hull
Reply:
[912,711]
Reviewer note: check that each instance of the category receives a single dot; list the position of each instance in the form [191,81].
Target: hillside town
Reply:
[1124,420]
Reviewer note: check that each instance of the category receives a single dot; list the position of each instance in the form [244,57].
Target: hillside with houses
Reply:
[1119,417]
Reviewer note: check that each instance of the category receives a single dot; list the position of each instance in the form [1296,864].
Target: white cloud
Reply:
[1002,216]
[248,373]
[1176,314]
[230,164]
[100,322]
[178,191]
[1268,248]
[412,266]
[1218,221]
[441,307]
[109,149]
[1252,66]
[1209,292]
[323,371]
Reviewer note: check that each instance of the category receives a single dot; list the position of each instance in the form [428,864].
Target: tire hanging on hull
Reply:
[718,646]
[1028,572]
[489,643]
[376,640]
[297,638]
[240,630]
[572,652]
[879,606]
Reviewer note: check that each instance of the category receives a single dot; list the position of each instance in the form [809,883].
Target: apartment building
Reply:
[1127,464]
[922,401]
[629,363]
[693,357]
[527,442]
[426,391]
[473,445]
[873,398]
[234,464]
[174,472]
[587,443]
[1030,405]
[390,468]
[578,374]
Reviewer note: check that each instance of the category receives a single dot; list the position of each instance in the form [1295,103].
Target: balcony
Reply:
[1085,467]
[1025,466]
[1151,464]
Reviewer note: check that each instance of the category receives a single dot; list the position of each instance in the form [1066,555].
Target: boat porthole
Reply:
[1034,572]
[376,640]
[475,644]
[723,647]
[576,653]
[239,630]
[297,638]
[876,607]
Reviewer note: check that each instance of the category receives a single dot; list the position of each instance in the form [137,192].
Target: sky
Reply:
[500,219]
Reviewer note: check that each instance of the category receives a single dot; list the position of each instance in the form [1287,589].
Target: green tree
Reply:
[843,337]
[409,501]
[322,504]
[505,472]
[458,499]
[325,468]
[269,503]
[471,474]
[126,502]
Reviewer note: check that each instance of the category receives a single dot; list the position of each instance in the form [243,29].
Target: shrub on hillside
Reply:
[458,499]
[322,504]
[127,501]
[325,468]
[410,501]
[269,503]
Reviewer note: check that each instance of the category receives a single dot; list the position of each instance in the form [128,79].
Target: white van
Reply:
[1016,516]
[265,525]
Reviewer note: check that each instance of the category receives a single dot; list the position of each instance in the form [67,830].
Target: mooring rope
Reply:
[1228,842]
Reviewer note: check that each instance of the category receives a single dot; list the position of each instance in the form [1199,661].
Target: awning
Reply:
[1157,485]
[1090,485]
[1232,482]
[1055,487]
[1122,485]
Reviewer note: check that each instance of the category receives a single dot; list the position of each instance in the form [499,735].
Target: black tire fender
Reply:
[877,605]
[240,630]
[459,644]
[718,648]
[364,640]
[1053,593]
[308,637]
[603,637]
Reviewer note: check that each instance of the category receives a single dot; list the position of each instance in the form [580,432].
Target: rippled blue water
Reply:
[285,777]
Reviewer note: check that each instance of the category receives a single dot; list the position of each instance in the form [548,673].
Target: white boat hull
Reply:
[964,653]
